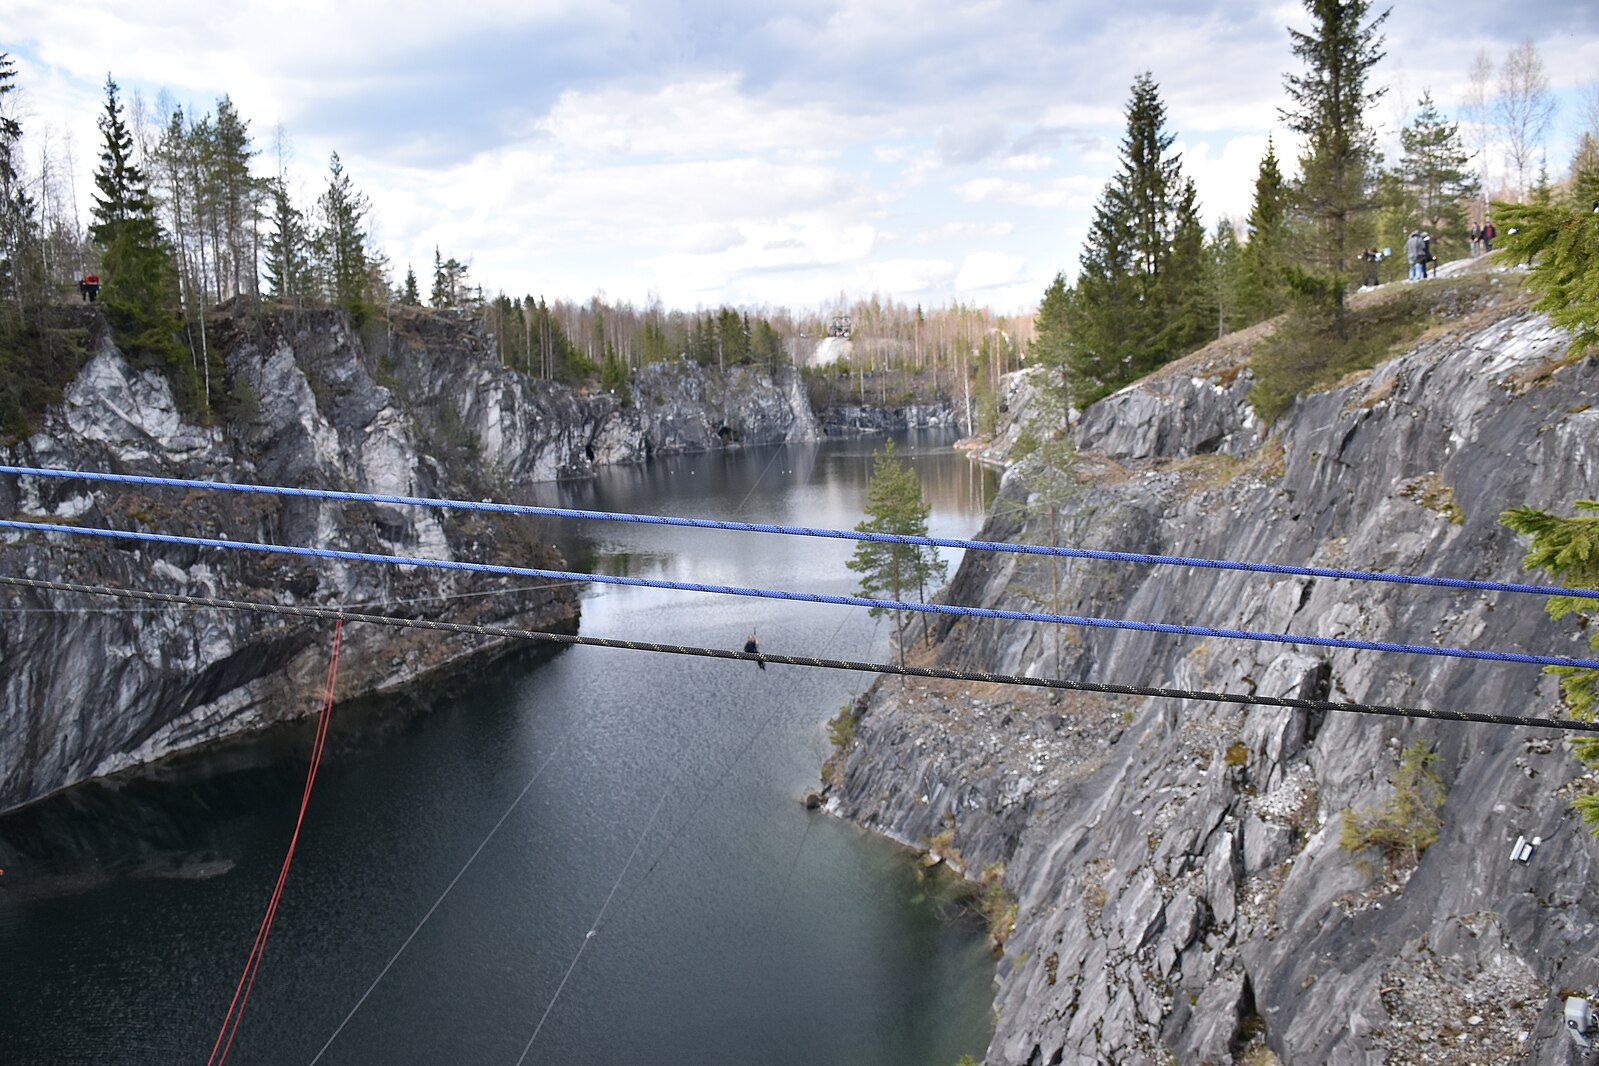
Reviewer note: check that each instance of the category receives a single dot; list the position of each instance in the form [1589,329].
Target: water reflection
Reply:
[742,927]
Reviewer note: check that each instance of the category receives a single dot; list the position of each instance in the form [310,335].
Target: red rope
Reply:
[241,992]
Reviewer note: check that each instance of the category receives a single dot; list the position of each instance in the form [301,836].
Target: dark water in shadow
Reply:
[659,790]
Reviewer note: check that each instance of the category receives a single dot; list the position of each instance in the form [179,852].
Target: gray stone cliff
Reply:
[91,686]
[1182,892]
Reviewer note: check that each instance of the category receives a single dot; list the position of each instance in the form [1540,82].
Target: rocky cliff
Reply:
[420,407]
[1182,891]
[847,419]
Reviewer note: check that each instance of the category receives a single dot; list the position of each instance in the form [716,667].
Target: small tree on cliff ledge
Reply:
[894,506]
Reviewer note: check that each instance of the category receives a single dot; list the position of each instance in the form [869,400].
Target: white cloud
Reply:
[988,270]
[954,231]
[898,277]
[1027,161]
[1058,193]
[690,120]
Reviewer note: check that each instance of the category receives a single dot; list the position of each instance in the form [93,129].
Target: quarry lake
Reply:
[659,798]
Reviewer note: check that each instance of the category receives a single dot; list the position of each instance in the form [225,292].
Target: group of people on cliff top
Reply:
[1418,252]
[1482,238]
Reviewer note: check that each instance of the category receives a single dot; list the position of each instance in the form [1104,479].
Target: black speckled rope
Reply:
[1240,698]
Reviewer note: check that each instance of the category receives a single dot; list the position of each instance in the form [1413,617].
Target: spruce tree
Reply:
[1585,174]
[1048,348]
[1139,296]
[1562,246]
[1188,310]
[139,286]
[1223,278]
[440,295]
[20,269]
[1436,169]
[1099,334]
[340,243]
[1568,548]
[288,266]
[1149,180]
[1263,260]
[1133,307]
[1337,167]
[410,296]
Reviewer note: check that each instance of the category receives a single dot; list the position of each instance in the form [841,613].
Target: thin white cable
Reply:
[595,927]
[459,874]
[775,453]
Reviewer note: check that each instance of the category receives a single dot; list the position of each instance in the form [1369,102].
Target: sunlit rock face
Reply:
[1177,865]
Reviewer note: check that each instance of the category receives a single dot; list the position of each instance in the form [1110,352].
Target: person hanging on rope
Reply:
[753,647]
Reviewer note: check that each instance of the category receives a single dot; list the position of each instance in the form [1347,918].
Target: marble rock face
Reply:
[1177,866]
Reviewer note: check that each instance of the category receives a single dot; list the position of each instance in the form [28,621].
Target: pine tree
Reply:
[1436,170]
[339,243]
[410,296]
[1337,167]
[1263,262]
[894,505]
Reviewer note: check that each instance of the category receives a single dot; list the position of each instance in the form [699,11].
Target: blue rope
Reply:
[809,531]
[808,597]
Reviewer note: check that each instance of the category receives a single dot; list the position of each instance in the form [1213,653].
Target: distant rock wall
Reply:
[1177,864]
[90,687]
[848,419]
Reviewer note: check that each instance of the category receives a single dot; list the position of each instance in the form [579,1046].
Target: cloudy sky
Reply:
[751,153]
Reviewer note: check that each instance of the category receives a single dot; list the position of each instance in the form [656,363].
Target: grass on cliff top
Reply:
[1302,354]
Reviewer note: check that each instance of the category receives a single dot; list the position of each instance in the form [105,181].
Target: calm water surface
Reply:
[660,792]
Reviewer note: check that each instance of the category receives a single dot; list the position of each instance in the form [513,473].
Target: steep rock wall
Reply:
[1177,865]
[872,418]
[527,429]
[90,687]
